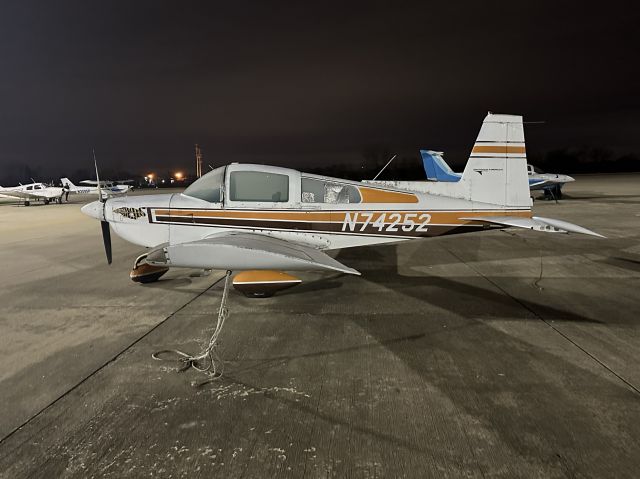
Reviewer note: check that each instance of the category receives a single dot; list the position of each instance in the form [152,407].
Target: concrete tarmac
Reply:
[503,353]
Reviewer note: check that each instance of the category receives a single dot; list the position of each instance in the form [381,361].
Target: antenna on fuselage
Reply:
[383,168]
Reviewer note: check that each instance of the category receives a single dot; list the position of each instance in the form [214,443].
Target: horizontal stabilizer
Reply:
[238,251]
[536,223]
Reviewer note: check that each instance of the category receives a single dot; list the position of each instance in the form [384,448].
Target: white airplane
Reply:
[34,191]
[550,183]
[108,188]
[263,220]
[437,169]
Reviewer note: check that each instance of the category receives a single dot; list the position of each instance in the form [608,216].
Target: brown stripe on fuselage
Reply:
[377,223]
[251,214]
[447,217]
[327,228]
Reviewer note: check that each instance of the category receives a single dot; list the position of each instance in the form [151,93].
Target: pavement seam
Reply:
[532,311]
[111,360]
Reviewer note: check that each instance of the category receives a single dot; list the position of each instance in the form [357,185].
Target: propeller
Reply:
[106,237]
[104,224]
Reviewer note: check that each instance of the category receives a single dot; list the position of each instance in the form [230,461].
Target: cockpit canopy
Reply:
[247,184]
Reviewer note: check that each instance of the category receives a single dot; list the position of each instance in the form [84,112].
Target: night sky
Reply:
[306,84]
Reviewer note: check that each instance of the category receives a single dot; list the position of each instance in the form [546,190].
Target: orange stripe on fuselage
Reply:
[373,195]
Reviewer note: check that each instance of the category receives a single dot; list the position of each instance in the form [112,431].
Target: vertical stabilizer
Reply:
[436,168]
[66,182]
[497,168]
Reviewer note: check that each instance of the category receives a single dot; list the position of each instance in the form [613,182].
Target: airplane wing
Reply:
[90,182]
[537,223]
[239,251]
[538,184]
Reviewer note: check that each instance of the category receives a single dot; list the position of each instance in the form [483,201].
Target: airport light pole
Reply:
[198,161]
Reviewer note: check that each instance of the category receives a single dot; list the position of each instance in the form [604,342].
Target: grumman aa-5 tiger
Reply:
[261,220]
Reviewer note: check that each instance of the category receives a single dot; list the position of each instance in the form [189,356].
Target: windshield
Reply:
[209,187]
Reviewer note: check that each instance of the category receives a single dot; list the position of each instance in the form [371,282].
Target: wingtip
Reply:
[347,270]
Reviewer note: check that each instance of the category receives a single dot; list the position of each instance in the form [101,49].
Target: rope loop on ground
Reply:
[207,361]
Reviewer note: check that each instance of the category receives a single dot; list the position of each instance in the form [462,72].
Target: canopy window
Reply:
[258,186]
[322,191]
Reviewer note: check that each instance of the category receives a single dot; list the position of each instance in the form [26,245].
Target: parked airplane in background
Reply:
[261,220]
[550,183]
[438,170]
[108,188]
[34,191]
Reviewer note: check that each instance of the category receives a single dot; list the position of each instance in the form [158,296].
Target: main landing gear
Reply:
[253,284]
[263,283]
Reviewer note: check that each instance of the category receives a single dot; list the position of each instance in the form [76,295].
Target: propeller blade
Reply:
[95,162]
[106,237]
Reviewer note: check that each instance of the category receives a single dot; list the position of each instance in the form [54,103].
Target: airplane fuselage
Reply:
[376,215]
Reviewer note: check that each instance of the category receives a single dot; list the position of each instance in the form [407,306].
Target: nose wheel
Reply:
[143,272]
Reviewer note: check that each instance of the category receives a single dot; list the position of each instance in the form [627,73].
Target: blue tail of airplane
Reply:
[436,168]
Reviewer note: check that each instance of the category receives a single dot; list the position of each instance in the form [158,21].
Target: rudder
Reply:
[496,171]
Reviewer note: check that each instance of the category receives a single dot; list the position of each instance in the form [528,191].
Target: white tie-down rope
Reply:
[208,360]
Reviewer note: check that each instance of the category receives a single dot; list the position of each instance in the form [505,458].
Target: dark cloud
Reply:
[302,84]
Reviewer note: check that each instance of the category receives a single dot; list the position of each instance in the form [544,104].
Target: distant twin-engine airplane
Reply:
[34,191]
[262,220]
[107,188]
[438,170]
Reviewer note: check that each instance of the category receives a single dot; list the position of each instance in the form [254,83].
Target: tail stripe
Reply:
[502,149]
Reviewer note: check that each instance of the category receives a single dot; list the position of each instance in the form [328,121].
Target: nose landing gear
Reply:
[143,272]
